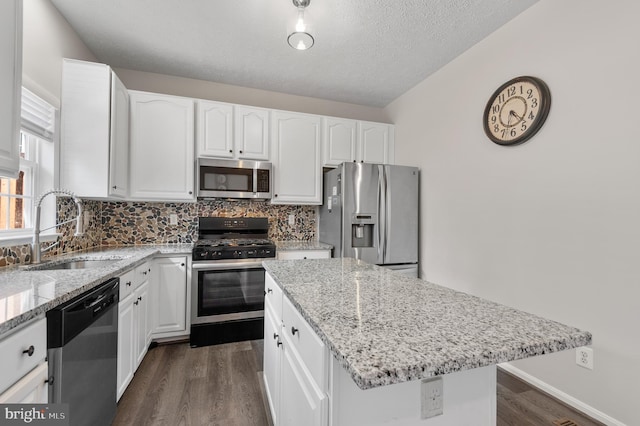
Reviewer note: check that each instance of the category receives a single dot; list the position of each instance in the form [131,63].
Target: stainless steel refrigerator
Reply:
[370,212]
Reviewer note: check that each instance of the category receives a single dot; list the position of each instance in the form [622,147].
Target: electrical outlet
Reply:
[584,357]
[173,219]
[432,398]
[292,220]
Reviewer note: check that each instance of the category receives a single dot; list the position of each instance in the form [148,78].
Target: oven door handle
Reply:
[216,266]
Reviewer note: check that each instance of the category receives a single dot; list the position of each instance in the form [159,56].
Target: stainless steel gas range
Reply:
[227,293]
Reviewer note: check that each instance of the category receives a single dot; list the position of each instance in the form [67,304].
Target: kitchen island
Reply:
[380,333]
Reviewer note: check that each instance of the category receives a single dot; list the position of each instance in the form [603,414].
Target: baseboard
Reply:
[561,396]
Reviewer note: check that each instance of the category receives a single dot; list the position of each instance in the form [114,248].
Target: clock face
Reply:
[517,110]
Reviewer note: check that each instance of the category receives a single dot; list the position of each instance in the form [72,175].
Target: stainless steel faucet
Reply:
[36,252]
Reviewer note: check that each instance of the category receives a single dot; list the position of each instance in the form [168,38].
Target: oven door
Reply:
[227,290]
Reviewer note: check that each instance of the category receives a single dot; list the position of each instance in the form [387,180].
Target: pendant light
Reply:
[300,38]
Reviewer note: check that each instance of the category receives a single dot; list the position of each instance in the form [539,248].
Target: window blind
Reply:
[38,116]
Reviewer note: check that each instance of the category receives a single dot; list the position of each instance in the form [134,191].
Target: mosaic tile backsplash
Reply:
[148,223]
[67,243]
[127,223]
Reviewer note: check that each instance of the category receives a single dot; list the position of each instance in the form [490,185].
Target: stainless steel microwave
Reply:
[233,179]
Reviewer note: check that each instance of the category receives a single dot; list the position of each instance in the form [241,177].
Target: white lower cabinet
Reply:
[24,366]
[126,333]
[303,254]
[169,296]
[303,401]
[134,331]
[141,318]
[295,365]
[272,362]
[31,389]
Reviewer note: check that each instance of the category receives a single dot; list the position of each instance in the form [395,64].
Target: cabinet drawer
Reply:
[273,296]
[305,342]
[14,359]
[127,282]
[304,254]
[142,274]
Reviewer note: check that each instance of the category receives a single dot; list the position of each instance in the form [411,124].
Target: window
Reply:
[17,196]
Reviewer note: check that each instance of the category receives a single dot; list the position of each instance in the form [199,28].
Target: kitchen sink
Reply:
[73,264]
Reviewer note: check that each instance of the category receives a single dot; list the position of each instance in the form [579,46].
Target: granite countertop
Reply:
[26,294]
[385,328]
[291,245]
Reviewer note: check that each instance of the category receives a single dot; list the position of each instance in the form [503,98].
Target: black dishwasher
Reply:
[82,348]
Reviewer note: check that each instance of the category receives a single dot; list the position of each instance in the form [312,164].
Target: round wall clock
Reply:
[517,110]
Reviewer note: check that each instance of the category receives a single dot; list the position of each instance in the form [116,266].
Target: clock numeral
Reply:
[521,91]
[496,128]
[513,132]
[531,116]
[524,126]
[501,98]
[493,119]
[534,103]
[529,93]
[495,109]
[511,91]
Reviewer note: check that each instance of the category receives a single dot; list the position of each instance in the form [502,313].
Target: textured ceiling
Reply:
[367,52]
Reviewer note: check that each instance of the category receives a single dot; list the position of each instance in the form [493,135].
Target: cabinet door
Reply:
[303,402]
[31,389]
[10,85]
[375,142]
[271,362]
[141,318]
[162,161]
[215,132]
[339,140]
[170,295]
[119,143]
[126,340]
[252,133]
[296,158]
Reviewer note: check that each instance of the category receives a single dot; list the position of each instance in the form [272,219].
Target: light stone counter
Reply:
[295,245]
[384,327]
[27,294]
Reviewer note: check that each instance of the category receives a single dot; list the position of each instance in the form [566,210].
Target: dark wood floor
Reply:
[519,404]
[222,385]
[179,385]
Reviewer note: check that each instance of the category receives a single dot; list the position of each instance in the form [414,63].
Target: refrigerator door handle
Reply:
[382,214]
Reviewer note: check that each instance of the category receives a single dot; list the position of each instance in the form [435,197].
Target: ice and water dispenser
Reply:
[362,230]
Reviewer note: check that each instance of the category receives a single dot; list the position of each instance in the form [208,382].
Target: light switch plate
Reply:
[173,219]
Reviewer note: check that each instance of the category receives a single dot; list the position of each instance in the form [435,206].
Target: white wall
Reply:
[201,89]
[47,38]
[551,226]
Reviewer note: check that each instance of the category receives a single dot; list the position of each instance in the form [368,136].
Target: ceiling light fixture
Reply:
[300,38]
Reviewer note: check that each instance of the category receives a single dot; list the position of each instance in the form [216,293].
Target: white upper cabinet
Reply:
[162,147]
[94,144]
[10,85]
[215,129]
[252,133]
[119,147]
[297,168]
[347,140]
[228,131]
[375,142]
[339,140]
